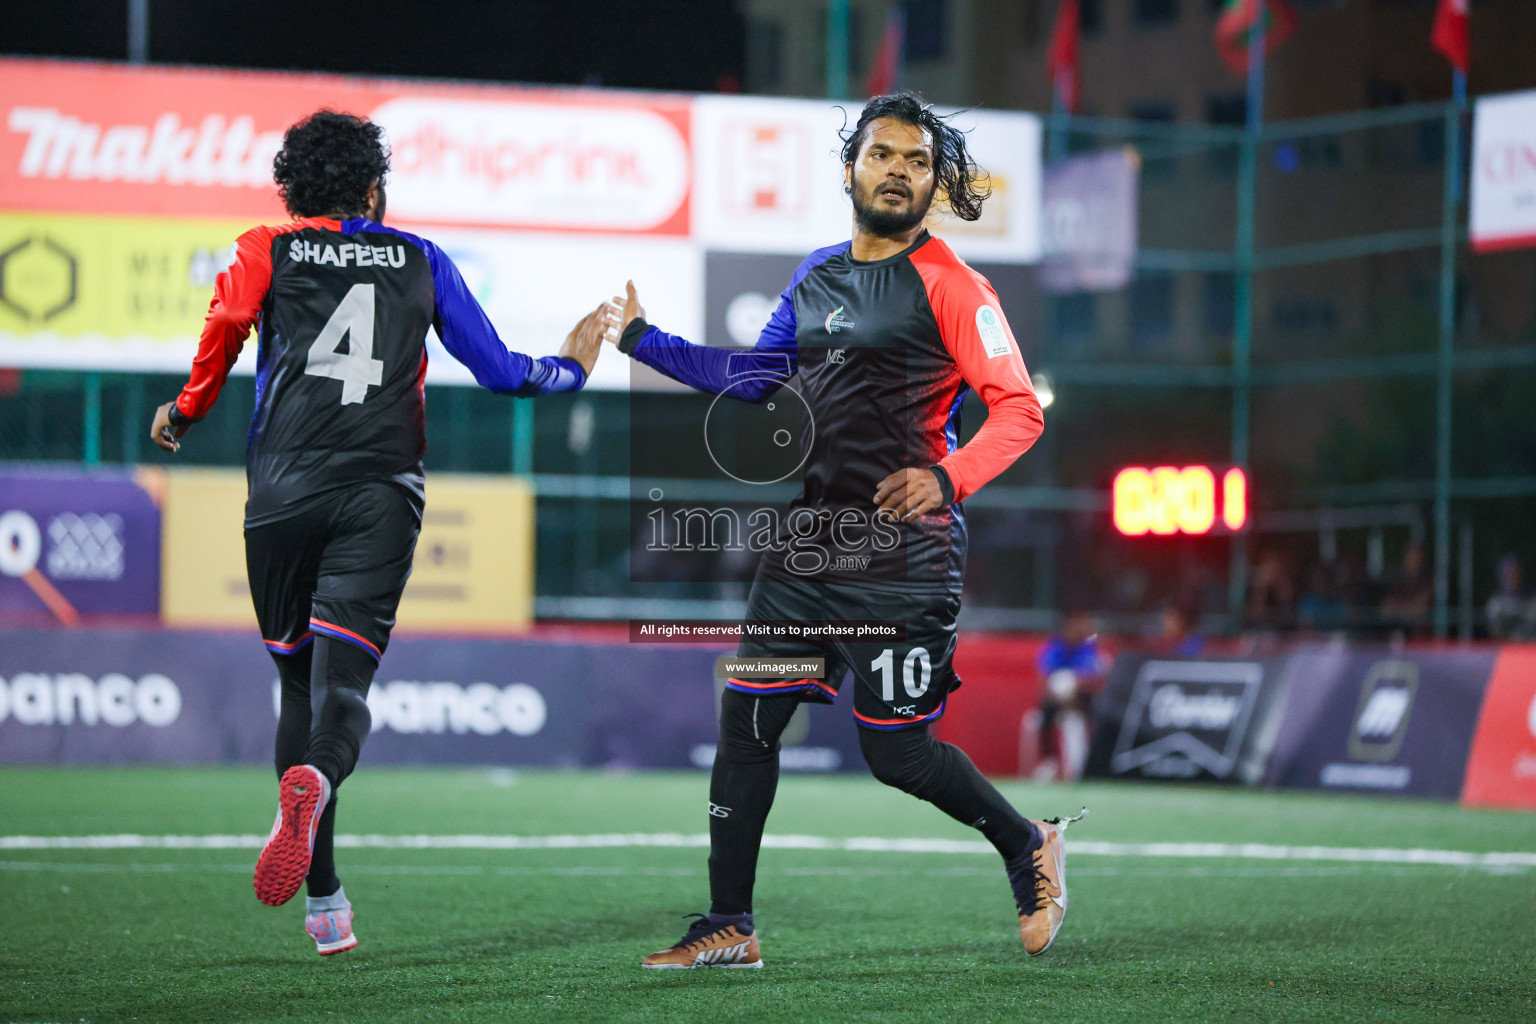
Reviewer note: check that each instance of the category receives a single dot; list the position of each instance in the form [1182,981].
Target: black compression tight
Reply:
[323,721]
[746,775]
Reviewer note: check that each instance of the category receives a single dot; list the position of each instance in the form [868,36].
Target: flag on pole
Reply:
[1061,60]
[1451,35]
[885,73]
[1238,21]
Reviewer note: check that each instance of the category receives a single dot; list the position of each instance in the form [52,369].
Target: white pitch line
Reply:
[675,840]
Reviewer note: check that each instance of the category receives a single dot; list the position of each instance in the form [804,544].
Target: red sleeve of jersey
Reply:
[977,335]
[238,293]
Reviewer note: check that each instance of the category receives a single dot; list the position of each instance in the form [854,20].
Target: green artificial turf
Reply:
[556,935]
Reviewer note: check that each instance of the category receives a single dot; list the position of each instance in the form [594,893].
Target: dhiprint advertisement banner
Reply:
[1503,176]
[122,190]
[74,542]
[68,697]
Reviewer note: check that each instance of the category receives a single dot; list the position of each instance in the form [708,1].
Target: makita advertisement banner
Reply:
[104,696]
[1182,718]
[74,542]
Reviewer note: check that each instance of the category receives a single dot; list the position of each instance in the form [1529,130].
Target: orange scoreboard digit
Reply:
[1165,500]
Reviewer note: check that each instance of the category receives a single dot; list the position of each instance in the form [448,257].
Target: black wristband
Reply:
[574,365]
[631,336]
[178,418]
[946,485]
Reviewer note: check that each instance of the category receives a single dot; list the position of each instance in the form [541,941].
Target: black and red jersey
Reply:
[343,309]
[885,352]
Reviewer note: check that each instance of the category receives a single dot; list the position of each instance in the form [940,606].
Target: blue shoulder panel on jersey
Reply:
[469,336]
[753,374]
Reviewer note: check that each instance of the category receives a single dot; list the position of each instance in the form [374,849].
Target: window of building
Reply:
[1304,316]
[926,38]
[1154,13]
[1162,112]
[1151,310]
[1220,301]
[1229,110]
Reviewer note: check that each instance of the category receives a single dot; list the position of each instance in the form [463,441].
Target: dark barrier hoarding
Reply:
[1184,718]
[80,696]
[1379,720]
[1322,716]
[75,542]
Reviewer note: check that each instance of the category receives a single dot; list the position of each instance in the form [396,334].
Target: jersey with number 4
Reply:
[343,309]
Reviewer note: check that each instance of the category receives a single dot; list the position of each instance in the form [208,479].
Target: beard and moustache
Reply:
[878,219]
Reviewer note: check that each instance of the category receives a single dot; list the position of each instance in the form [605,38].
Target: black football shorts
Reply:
[335,569]
[898,683]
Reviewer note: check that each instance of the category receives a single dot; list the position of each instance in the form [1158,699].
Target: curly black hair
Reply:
[327,162]
[960,182]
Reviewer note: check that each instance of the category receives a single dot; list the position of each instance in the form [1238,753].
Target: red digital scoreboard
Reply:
[1168,500]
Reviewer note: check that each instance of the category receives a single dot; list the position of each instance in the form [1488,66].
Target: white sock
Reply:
[320,904]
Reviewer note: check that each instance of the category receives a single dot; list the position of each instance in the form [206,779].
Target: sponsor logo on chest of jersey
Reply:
[837,355]
[836,321]
[349,255]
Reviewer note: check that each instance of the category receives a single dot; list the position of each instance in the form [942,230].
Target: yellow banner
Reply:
[473,569]
[114,276]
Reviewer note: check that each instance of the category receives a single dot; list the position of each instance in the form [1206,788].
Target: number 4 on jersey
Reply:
[356,368]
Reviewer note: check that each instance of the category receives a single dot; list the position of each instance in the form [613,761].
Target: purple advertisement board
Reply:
[74,542]
[1088,222]
[118,696]
[1378,720]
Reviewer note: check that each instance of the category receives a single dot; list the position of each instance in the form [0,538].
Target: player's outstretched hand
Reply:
[909,493]
[629,308]
[586,339]
[162,433]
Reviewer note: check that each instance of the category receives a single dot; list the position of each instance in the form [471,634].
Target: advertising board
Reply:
[74,542]
[202,697]
[473,568]
[1378,720]
[1502,209]
[1184,718]
[122,189]
[1501,768]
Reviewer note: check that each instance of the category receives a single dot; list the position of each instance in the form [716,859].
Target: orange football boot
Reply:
[1039,880]
[710,945]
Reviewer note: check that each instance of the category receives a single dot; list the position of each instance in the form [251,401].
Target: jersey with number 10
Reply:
[344,308]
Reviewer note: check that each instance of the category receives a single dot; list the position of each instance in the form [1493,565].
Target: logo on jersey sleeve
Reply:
[837,322]
[994,336]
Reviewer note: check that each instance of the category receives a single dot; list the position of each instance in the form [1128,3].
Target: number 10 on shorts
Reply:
[916,670]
